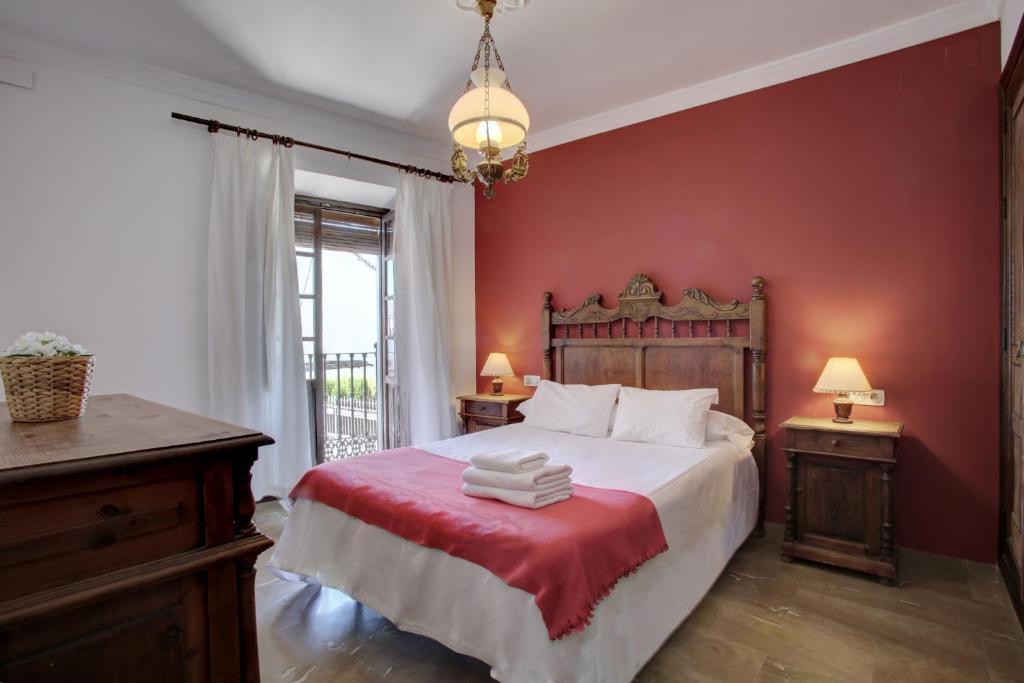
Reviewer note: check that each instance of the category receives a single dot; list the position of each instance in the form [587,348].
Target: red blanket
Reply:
[568,555]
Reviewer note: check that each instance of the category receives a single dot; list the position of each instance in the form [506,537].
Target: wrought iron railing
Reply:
[348,395]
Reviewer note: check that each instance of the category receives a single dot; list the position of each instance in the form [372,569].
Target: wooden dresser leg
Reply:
[247,620]
[245,505]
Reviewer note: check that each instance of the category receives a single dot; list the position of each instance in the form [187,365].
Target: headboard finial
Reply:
[640,287]
[758,284]
[547,300]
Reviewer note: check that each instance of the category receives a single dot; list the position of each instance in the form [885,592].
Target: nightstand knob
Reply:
[835,443]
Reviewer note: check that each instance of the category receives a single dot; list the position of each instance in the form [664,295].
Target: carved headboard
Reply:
[643,343]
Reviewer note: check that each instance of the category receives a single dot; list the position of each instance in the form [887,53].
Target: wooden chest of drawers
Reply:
[839,508]
[484,411]
[127,547]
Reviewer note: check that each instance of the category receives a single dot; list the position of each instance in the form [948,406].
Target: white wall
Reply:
[1009,19]
[103,211]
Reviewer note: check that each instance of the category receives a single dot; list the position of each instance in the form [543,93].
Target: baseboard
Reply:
[1012,580]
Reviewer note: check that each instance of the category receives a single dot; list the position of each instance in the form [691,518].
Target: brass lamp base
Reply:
[843,407]
[496,387]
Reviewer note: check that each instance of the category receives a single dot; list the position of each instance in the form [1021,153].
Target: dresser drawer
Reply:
[485,408]
[46,543]
[842,444]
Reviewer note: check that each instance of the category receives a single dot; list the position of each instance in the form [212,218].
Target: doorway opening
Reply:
[346,301]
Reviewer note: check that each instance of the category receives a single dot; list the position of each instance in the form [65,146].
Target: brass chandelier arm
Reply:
[460,165]
[520,166]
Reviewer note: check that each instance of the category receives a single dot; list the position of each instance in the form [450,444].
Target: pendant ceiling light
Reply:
[489,118]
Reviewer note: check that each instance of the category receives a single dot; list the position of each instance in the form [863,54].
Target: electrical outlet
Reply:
[531,380]
[875,397]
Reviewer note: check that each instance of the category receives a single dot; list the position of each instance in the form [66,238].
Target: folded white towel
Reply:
[523,499]
[533,480]
[513,460]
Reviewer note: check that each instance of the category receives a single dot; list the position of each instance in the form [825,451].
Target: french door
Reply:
[1011,499]
[391,435]
[346,299]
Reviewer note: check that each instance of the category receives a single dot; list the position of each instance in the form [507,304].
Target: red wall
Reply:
[867,196]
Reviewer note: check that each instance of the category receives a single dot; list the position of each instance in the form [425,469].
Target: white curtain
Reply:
[423,274]
[256,372]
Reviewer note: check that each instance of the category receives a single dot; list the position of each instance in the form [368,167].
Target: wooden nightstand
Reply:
[484,411]
[839,508]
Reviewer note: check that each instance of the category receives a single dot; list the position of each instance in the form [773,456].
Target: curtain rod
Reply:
[213,126]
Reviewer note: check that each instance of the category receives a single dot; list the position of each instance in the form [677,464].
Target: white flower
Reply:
[46,344]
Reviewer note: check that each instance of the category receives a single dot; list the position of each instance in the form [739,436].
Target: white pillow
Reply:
[730,427]
[574,408]
[525,407]
[675,418]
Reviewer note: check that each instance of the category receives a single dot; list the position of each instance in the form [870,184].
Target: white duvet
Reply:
[707,501]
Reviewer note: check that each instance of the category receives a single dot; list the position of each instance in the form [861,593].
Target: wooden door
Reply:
[390,430]
[1015,326]
[1012,463]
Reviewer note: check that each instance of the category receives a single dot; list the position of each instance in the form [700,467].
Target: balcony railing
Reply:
[349,399]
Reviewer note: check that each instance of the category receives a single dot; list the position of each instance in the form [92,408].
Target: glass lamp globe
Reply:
[506,119]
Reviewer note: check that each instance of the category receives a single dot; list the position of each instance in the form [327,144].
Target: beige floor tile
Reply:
[1005,658]
[694,655]
[765,620]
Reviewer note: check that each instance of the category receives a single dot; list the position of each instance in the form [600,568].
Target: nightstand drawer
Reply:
[842,444]
[485,408]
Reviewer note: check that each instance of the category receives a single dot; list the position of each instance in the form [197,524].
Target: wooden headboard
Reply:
[697,343]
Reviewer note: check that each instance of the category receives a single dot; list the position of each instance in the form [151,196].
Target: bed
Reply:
[708,499]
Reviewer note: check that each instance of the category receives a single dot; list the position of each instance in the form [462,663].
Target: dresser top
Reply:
[869,427]
[499,398]
[116,424]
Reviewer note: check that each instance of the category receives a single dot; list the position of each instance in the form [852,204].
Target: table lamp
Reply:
[842,376]
[497,366]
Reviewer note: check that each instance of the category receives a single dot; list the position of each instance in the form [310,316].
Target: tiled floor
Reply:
[765,620]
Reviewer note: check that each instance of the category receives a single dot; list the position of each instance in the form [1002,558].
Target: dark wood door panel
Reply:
[1011,489]
[840,506]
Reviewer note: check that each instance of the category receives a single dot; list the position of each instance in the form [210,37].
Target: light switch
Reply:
[875,397]
[531,380]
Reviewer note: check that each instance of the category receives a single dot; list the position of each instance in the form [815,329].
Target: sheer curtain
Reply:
[423,274]
[256,373]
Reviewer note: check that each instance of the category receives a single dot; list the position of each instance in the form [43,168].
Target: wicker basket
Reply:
[45,389]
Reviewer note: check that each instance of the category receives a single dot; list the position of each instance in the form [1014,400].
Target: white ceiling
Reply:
[403,62]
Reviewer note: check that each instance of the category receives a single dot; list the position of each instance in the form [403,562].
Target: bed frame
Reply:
[636,344]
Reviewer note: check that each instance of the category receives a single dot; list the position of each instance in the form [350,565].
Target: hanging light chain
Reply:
[476,57]
[487,85]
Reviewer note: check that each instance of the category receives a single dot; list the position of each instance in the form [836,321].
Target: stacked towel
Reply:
[514,461]
[517,477]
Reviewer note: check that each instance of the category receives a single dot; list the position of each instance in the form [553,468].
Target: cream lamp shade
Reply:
[497,365]
[503,123]
[842,376]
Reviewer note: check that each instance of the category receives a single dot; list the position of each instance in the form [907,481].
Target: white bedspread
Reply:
[707,501]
